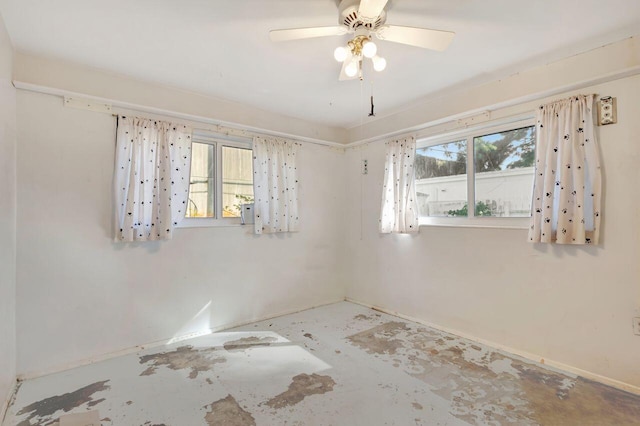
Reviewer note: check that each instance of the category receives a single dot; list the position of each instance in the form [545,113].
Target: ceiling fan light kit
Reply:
[364,19]
[358,48]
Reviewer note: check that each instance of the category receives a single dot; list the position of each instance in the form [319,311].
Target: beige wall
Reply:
[81,296]
[7,220]
[571,305]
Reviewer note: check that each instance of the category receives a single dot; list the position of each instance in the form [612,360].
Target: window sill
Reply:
[212,223]
[477,222]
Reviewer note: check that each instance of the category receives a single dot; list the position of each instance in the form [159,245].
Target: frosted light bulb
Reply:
[369,49]
[340,54]
[379,63]
[351,69]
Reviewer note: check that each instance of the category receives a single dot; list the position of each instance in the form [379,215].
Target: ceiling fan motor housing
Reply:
[350,18]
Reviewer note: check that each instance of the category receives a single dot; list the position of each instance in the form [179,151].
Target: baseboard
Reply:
[8,400]
[60,368]
[627,387]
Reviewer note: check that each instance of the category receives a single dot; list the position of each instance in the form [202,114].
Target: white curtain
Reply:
[275,185]
[567,184]
[399,204]
[151,178]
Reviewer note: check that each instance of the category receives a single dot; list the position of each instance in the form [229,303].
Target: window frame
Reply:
[469,134]
[218,142]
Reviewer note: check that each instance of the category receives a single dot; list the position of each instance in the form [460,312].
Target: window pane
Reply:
[237,180]
[441,179]
[504,168]
[201,184]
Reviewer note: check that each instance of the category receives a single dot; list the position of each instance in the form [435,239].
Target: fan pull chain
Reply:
[372,113]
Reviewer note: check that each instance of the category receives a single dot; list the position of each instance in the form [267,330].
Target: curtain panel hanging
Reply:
[567,184]
[399,213]
[275,185]
[151,178]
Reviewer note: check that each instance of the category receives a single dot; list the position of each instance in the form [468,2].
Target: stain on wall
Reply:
[184,357]
[302,386]
[228,412]
[42,411]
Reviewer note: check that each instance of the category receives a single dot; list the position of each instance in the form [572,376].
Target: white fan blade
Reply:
[371,9]
[420,37]
[300,33]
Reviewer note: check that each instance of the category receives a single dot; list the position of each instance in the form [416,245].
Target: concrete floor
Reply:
[341,364]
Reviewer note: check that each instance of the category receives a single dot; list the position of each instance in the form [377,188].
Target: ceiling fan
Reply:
[364,18]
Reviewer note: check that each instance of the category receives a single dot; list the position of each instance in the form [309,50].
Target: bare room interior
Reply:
[319,212]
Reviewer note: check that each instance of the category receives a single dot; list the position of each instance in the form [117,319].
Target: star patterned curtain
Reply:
[151,178]
[567,185]
[275,185]
[399,203]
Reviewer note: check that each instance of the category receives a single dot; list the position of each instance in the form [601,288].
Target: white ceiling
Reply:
[221,48]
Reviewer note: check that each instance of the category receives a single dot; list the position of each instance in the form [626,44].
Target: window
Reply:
[503,167]
[490,169]
[441,179]
[237,179]
[221,181]
[201,189]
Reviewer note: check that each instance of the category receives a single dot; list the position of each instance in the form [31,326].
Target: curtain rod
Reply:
[194,120]
[627,72]
[420,130]
[215,128]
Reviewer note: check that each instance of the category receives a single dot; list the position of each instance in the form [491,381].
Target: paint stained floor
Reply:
[340,364]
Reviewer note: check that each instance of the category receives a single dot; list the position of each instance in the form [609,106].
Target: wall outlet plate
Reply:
[607,111]
[636,326]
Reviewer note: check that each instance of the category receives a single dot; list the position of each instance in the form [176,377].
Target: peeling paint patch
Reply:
[584,403]
[249,342]
[380,339]
[417,406]
[43,410]
[302,386]
[228,412]
[96,402]
[484,386]
[362,317]
[184,357]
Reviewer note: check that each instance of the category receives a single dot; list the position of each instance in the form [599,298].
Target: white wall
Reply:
[81,296]
[592,67]
[90,82]
[7,220]
[573,305]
